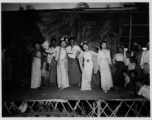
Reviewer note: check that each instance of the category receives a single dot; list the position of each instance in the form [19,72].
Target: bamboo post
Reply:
[130,31]
[98,108]
[120,30]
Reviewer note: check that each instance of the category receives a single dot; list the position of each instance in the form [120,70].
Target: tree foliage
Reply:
[91,27]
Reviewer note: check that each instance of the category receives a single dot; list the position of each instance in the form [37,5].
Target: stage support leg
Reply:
[136,106]
[98,109]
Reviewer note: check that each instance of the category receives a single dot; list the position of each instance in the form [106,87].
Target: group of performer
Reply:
[74,64]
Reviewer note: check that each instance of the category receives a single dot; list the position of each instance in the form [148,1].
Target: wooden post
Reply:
[130,31]
[94,105]
[120,30]
[98,108]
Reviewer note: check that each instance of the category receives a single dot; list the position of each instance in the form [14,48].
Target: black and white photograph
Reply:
[75,59]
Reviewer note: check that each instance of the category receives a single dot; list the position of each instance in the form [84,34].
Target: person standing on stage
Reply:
[74,70]
[46,46]
[145,63]
[88,63]
[120,61]
[62,64]
[104,60]
[52,63]
[36,67]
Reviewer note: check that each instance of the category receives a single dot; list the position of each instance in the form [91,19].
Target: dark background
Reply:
[22,28]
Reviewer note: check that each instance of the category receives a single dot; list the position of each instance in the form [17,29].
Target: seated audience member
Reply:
[134,66]
[144,90]
[133,79]
[127,78]
[145,64]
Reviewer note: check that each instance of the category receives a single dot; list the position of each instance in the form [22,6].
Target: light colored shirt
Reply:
[73,50]
[119,57]
[127,61]
[104,55]
[53,51]
[49,57]
[127,80]
[46,45]
[144,58]
[131,66]
[144,91]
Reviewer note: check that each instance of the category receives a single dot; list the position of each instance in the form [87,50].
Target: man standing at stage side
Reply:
[74,69]
[145,64]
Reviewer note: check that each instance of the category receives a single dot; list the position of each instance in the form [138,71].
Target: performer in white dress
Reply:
[62,65]
[104,60]
[88,63]
[36,68]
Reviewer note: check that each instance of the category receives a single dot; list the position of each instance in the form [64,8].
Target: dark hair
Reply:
[134,59]
[120,47]
[53,39]
[71,38]
[37,42]
[84,44]
[128,52]
[102,43]
[139,44]
[124,71]
[64,39]
[133,71]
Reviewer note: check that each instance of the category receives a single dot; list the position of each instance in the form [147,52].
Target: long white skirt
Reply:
[36,73]
[105,73]
[86,77]
[62,75]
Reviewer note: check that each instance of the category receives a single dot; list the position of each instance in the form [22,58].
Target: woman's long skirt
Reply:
[86,78]
[62,75]
[74,72]
[36,73]
[53,72]
[105,74]
[118,78]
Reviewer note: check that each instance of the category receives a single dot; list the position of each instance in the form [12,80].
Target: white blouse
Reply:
[73,50]
[119,57]
[62,53]
[144,58]
[104,54]
[49,57]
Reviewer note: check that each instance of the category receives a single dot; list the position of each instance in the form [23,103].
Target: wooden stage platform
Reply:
[71,93]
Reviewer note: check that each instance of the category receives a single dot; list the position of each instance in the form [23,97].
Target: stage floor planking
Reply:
[71,93]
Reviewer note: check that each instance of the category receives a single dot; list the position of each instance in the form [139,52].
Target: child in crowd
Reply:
[128,55]
[127,78]
[134,66]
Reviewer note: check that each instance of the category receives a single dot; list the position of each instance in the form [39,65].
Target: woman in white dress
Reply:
[104,60]
[88,63]
[62,65]
[36,68]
